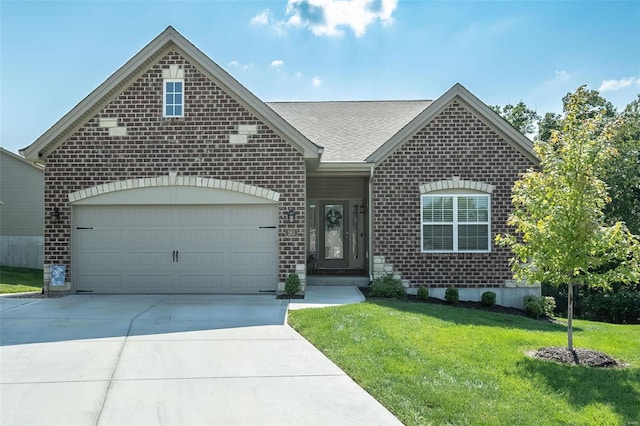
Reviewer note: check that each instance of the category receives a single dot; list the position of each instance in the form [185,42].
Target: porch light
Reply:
[55,215]
[363,208]
[291,215]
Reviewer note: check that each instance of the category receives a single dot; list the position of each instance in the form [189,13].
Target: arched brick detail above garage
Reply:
[174,180]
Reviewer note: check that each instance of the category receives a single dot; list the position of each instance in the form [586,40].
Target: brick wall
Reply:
[455,143]
[196,145]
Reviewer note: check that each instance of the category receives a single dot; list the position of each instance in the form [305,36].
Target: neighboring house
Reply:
[21,211]
[172,177]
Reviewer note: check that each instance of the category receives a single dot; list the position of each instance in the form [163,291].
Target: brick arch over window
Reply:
[456,183]
[173,180]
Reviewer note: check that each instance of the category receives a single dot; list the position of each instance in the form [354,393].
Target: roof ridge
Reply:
[352,101]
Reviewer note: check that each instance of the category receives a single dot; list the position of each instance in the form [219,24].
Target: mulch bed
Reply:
[579,356]
[412,298]
[286,296]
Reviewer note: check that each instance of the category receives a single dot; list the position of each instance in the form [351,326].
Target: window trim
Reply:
[164,97]
[455,223]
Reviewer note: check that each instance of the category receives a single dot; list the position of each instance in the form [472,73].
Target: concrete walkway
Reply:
[171,360]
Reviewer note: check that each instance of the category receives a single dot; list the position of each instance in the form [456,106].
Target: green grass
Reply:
[435,364]
[18,280]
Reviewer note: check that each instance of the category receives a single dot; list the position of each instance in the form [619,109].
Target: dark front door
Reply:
[334,234]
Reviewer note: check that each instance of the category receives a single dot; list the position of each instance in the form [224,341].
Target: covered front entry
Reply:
[337,224]
[178,247]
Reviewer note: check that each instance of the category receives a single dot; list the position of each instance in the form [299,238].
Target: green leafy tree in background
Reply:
[519,116]
[561,237]
[593,105]
[622,174]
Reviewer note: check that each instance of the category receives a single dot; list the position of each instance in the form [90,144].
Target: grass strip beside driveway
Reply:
[19,280]
[434,364]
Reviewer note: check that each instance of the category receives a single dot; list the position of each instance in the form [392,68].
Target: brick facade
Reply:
[454,143]
[196,145]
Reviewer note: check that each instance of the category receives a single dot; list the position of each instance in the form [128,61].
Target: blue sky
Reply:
[53,53]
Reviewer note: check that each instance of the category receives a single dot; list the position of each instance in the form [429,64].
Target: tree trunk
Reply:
[570,316]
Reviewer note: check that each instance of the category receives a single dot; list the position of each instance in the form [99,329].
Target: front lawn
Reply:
[434,364]
[18,280]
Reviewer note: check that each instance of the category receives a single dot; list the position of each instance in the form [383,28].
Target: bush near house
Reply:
[535,306]
[451,295]
[488,298]
[423,293]
[388,287]
[292,284]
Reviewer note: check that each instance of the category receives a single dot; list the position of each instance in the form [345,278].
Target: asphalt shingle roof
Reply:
[349,130]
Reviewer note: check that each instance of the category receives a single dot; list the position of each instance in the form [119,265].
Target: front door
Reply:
[334,234]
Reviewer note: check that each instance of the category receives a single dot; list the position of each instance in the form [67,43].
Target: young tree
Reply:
[561,236]
[519,116]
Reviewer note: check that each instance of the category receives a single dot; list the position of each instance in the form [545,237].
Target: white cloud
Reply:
[262,18]
[236,64]
[330,17]
[298,74]
[613,85]
[277,64]
[562,75]
[316,81]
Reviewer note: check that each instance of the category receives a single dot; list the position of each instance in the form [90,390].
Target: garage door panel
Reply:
[150,260]
[101,282]
[201,283]
[155,237]
[207,259]
[96,261]
[147,283]
[200,237]
[104,238]
[249,214]
[248,282]
[253,260]
[148,215]
[130,249]
[253,237]
[202,215]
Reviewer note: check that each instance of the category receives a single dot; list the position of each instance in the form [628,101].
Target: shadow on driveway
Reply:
[79,317]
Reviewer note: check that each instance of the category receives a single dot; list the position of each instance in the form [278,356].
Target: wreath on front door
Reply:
[333,218]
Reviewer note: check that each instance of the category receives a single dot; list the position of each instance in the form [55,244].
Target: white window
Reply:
[173,98]
[456,223]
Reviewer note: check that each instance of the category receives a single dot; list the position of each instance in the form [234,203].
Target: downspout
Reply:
[370,222]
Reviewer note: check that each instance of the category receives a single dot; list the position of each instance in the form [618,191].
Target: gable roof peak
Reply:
[141,61]
[482,111]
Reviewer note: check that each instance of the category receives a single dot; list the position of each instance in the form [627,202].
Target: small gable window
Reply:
[173,98]
[456,223]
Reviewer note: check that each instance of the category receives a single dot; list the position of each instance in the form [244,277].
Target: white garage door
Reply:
[176,249]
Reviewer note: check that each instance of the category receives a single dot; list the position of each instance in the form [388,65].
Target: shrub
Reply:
[536,306]
[292,284]
[423,293]
[388,287]
[548,306]
[451,296]
[488,298]
[533,305]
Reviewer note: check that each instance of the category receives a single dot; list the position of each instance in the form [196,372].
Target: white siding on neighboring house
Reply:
[21,211]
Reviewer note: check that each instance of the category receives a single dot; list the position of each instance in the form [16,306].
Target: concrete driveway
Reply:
[169,360]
